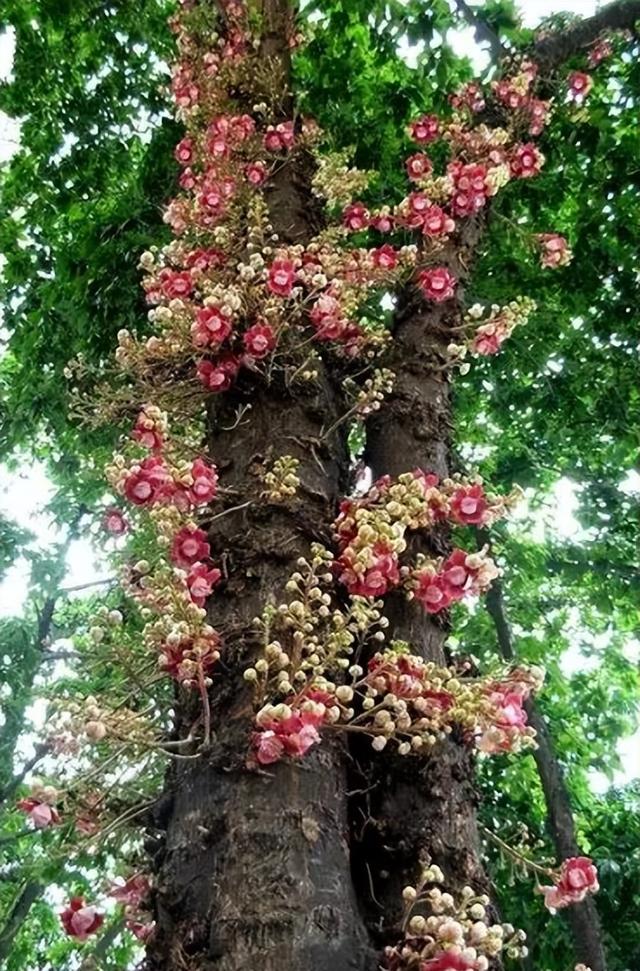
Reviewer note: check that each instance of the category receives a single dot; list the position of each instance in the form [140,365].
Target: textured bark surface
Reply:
[583,918]
[253,870]
[419,812]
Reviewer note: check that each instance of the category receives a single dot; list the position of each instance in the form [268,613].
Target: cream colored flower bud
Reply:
[96,731]
[378,743]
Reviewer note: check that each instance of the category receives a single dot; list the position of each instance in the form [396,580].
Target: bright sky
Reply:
[23,495]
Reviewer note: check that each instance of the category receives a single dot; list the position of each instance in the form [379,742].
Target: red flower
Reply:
[526,162]
[204,486]
[41,814]
[580,85]
[433,593]
[449,961]
[425,129]
[468,505]
[279,137]
[131,892]
[383,223]
[256,173]
[184,151]
[80,920]
[189,546]
[219,376]
[202,259]
[355,217]
[114,522]
[578,877]
[259,340]
[146,432]
[282,274]
[437,284]
[148,482]
[377,579]
[210,327]
[436,222]
[269,747]
[418,166]
[385,257]
[201,580]
[175,284]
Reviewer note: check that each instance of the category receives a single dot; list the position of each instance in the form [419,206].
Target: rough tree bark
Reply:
[582,918]
[254,867]
[426,813]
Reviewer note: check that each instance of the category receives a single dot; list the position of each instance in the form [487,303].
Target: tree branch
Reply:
[583,918]
[484,33]
[17,915]
[559,46]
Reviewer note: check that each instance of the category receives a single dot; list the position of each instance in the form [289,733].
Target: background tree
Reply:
[524,410]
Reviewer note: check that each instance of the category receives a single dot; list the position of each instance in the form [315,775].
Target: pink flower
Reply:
[383,222]
[355,217]
[385,257]
[203,259]
[449,961]
[175,285]
[470,187]
[432,592]
[184,151]
[282,274]
[417,204]
[469,505]
[210,327]
[220,376]
[114,522]
[580,85]
[297,744]
[147,433]
[259,340]
[204,486]
[555,250]
[469,96]
[418,166]
[425,129]
[148,482]
[131,892]
[201,580]
[189,546]
[600,51]
[269,747]
[578,877]
[256,173]
[280,137]
[487,340]
[41,814]
[436,222]
[80,920]
[526,162]
[377,579]
[437,284]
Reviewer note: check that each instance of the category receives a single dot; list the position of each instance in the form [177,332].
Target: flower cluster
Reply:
[371,536]
[177,587]
[281,480]
[576,879]
[485,329]
[133,895]
[447,934]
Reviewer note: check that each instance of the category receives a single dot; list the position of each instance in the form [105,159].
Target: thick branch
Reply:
[484,32]
[582,918]
[17,916]
[559,46]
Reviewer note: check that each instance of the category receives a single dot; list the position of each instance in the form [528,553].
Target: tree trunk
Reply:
[254,868]
[420,812]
